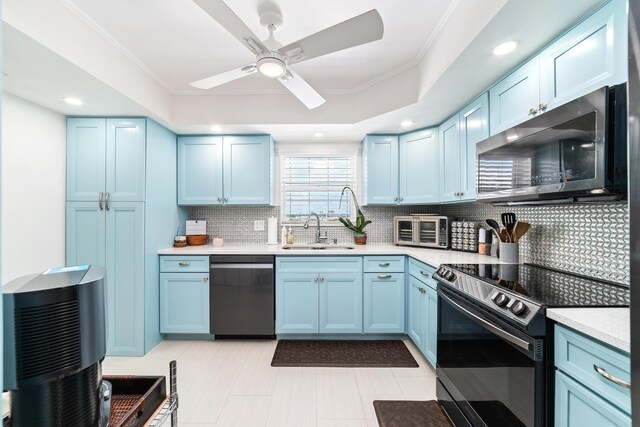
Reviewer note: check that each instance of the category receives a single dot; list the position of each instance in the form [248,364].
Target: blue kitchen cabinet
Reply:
[200,170]
[85,234]
[419,171]
[590,55]
[380,169]
[423,309]
[514,98]
[384,302]
[340,303]
[450,156]
[431,341]
[230,170]
[474,127]
[125,160]
[297,303]
[416,324]
[184,303]
[86,159]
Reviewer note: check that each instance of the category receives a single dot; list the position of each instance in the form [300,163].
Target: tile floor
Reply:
[231,383]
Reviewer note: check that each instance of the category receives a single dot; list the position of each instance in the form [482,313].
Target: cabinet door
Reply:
[416,324]
[431,326]
[85,234]
[296,303]
[593,54]
[184,303]
[512,97]
[384,302]
[340,303]
[125,278]
[381,169]
[450,159]
[86,142]
[199,170]
[474,127]
[576,405]
[419,168]
[247,170]
[126,159]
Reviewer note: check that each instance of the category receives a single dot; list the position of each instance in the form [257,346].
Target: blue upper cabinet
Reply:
[86,142]
[236,170]
[380,167]
[450,157]
[419,167]
[125,174]
[474,127]
[247,170]
[516,97]
[200,170]
[591,55]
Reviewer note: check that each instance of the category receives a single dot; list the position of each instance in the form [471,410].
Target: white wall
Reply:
[33,188]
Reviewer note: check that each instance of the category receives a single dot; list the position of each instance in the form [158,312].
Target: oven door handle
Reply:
[493,328]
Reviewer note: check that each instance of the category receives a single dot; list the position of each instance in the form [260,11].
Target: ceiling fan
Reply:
[274,60]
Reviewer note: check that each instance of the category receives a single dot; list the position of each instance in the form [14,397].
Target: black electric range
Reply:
[495,344]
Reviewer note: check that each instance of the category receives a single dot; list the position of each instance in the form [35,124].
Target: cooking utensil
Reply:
[495,227]
[520,230]
[504,236]
[509,221]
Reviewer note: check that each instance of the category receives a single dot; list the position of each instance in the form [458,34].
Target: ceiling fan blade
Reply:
[359,30]
[301,89]
[219,11]
[225,77]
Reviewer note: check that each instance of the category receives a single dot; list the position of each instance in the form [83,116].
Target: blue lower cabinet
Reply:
[340,303]
[576,405]
[184,303]
[416,325]
[296,303]
[431,341]
[384,302]
[423,310]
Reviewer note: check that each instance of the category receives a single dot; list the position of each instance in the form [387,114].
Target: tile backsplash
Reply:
[587,239]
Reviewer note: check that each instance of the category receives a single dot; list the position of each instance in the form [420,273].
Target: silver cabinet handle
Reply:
[395,199]
[219,200]
[610,377]
[424,273]
[106,200]
[542,107]
[401,198]
[384,276]
[462,193]
[383,264]
[226,200]
[315,279]
[100,200]
[184,264]
[533,111]
[321,279]
[205,279]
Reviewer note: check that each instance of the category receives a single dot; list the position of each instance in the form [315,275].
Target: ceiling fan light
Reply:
[271,64]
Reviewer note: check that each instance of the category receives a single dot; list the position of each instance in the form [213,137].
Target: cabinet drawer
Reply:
[577,354]
[422,272]
[319,264]
[576,405]
[184,264]
[392,264]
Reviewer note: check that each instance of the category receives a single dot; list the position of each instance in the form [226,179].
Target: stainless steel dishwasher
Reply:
[242,295]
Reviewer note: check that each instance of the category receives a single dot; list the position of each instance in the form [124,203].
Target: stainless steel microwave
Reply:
[575,152]
[421,230]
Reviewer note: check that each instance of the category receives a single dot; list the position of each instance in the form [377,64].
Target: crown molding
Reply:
[436,32]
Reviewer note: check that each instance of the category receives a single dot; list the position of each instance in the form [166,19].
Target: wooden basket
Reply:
[197,239]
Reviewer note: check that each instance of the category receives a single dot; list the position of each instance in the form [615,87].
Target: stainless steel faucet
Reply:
[319,238]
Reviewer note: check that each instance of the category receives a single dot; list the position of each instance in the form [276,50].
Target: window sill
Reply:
[312,224]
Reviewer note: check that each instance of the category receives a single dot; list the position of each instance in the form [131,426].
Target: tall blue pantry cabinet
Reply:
[121,208]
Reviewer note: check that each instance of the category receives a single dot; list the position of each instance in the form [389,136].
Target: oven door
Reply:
[493,374]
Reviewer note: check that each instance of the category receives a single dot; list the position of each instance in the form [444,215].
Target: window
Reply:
[314,184]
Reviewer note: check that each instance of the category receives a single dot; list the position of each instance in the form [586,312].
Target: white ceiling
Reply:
[178,42]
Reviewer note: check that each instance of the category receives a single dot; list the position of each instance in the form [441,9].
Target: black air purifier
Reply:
[54,343]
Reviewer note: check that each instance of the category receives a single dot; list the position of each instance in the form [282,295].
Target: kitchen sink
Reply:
[317,246]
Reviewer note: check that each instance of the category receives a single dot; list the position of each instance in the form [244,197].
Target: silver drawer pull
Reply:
[184,264]
[384,276]
[424,273]
[383,264]
[610,377]
[205,279]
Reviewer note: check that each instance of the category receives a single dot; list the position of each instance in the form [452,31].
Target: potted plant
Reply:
[359,236]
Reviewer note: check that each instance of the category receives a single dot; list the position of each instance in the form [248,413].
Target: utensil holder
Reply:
[509,253]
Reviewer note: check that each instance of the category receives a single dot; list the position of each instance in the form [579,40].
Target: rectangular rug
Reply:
[407,413]
[343,354]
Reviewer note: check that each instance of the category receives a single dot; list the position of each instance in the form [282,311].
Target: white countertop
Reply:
[609,325]
[433,257]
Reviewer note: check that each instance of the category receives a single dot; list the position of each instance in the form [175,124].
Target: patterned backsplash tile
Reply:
[587,239]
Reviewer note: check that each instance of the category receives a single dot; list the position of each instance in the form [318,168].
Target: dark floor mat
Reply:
[343,354]
[406,413]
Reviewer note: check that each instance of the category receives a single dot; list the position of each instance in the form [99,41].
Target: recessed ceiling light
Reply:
[504,48]
[215,128]
[406,123]
[72,101]
[318,134]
